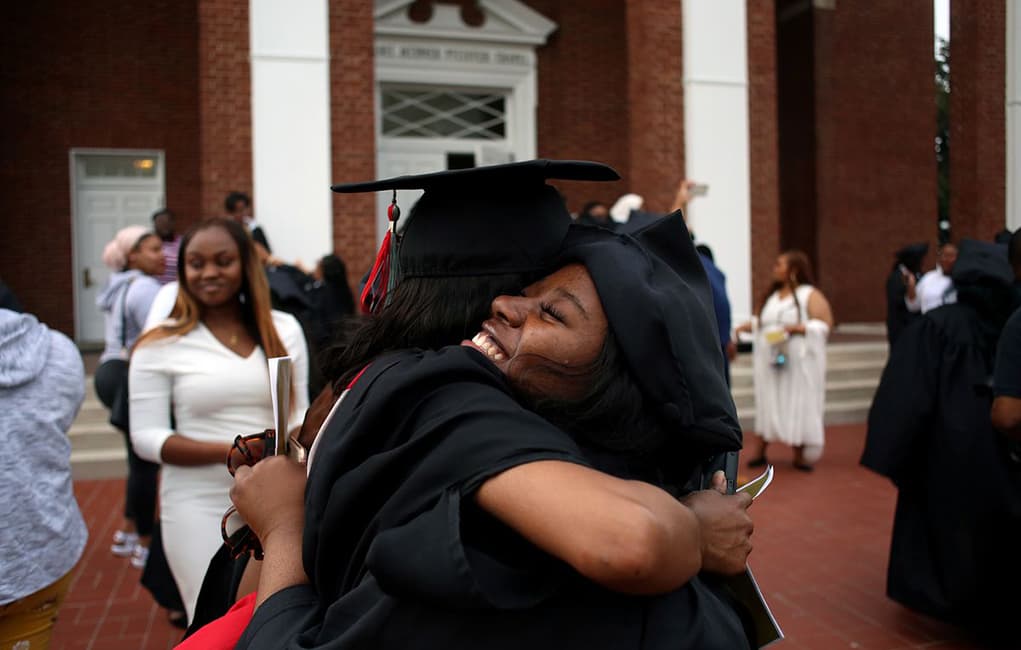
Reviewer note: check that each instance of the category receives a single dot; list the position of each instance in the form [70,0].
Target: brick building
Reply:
[811,121]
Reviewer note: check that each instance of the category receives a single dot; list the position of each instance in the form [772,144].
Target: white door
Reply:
[112,190]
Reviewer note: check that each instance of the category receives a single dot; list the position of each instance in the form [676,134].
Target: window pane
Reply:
[109,166]
[443,114]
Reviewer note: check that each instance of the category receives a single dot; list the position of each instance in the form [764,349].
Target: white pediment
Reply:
[506,21]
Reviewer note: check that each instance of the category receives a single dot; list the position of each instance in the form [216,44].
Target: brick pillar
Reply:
[353,131]
[656,100]
[225,102]
[763,142]
[583,104]
[977,118]
[875,164]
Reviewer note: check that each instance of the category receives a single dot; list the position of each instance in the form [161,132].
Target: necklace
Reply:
[233,339]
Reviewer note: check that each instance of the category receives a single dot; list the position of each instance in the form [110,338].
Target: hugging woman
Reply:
[440,512]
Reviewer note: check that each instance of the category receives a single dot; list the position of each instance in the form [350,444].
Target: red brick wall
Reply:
[656,100]
[977,118]
[583,102]
[353,131]
[91,74]
[763,141]
[876,167]
[225,102]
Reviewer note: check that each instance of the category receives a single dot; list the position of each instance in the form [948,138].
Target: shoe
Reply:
[177,618]
[125,545]
[120,536]
[803,467]
[139,556]
[758,461]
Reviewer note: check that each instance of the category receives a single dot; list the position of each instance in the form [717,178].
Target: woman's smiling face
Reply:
[212,266]
[547,339]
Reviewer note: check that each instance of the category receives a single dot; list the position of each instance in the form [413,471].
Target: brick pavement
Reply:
[821,544]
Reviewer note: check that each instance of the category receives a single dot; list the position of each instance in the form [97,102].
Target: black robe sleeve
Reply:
[391,480]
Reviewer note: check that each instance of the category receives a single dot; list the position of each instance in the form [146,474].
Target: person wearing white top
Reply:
[936,288]
[790,362]
[207,364]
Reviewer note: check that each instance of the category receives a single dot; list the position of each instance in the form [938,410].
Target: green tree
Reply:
[943,130]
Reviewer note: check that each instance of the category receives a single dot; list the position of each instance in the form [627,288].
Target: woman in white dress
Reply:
[207,364]
[790,362]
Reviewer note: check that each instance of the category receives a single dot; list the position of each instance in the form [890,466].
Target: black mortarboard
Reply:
[982,263]
[485,220]
[659,305]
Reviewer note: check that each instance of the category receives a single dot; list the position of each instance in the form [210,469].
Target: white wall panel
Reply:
[291,126]
[1013,114]
[716,138]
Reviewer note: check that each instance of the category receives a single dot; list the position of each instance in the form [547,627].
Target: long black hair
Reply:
[424,312]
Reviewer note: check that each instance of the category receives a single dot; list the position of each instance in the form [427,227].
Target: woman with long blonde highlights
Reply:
[206,366]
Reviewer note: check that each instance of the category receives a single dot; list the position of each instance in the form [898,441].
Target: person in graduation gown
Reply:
[908,259]
[451,265]
[953,555]
[406,543]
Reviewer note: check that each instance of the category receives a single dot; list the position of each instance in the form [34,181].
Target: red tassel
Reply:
[374,293]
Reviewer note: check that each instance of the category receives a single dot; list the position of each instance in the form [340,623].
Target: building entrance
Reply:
[111,190]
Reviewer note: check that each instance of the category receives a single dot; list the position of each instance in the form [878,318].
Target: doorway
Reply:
[110,189]
[433,128]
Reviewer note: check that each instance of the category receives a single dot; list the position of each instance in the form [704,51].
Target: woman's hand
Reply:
[798,329]
[270,496]
[726,529]
[743,328]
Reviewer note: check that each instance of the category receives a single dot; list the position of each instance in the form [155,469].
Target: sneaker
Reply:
[126,546]
[139,556]
[120,536]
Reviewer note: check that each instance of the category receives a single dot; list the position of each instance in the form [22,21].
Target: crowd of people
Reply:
[516,439]
[944,428]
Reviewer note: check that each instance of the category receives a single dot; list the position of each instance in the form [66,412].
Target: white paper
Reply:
[758,485]
[280,393]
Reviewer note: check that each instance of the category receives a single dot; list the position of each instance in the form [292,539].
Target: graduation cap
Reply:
[659,304]
[481,221]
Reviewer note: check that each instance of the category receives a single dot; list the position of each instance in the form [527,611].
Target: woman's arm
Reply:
[818,309]
[149,389]
[628,536]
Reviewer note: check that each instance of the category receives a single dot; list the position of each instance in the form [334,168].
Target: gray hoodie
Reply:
[42,384]
[128,309]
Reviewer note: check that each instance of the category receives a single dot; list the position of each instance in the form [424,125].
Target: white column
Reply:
[291,126]
[1013,114]
[716,138]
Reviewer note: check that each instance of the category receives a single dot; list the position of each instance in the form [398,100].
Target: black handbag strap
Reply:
[124,315]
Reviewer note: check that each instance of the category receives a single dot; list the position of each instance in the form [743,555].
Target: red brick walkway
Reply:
[821,542]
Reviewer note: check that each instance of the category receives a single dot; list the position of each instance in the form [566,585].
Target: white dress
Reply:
[216,395]
[789,399]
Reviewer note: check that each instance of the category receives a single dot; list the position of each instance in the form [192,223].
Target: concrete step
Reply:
[842,412]
[99,463]
[97,449]
[837,391]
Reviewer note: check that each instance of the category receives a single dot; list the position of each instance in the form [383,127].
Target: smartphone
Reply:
[758,485]
[698,189]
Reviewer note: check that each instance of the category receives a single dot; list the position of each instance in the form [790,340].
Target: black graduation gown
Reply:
[400,557]
[958,517]
[897,315]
